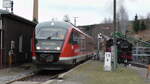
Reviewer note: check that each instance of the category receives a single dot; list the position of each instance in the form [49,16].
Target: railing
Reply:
[141,54]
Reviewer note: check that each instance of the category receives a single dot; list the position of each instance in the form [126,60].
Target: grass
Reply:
[93,73]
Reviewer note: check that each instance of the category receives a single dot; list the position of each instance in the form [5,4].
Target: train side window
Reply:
[75,37]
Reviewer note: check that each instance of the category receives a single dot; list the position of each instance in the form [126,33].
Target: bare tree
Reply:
[148,15]
[122,20]
[107,20]
[118,21]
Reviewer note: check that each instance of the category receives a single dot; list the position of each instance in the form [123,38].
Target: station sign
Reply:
[6,3]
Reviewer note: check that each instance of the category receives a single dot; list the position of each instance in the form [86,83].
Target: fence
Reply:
[141,54]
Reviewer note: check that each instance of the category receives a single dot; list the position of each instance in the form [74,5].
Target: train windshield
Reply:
[51,33]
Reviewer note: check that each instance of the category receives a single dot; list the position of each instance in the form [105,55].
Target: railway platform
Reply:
[11,74]
[92,72]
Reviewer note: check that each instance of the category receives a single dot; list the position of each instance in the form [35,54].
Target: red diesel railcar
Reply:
[57,45]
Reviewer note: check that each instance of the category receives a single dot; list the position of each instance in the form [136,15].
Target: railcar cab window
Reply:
[74,38]
[51,33]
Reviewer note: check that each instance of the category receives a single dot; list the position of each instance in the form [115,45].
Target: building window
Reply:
[20,43]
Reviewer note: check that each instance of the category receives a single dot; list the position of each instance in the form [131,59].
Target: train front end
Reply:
[48,43]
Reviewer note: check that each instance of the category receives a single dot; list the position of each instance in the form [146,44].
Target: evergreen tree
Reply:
[142,26]
[136,24]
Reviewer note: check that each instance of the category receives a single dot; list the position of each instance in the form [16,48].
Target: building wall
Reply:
[20,32]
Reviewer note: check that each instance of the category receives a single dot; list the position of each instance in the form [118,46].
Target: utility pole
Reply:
[115,40]
[35,11]
[75,20]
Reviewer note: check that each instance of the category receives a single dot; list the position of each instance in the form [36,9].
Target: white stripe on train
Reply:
[71,58]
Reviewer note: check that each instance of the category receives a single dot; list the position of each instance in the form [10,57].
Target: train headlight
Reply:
[38,47]
[34,58]
[57,48]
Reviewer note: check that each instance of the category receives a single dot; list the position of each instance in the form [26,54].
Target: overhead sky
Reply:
[87,11]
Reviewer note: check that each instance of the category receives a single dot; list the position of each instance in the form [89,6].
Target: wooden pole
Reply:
[35,11]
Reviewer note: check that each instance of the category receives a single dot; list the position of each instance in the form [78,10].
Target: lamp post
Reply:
[99,36]
[8,4]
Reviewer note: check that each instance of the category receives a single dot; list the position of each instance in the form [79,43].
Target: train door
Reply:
[82,43]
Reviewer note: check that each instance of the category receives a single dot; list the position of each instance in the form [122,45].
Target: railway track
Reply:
[41,77]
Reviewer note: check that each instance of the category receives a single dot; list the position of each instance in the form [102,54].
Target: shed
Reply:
[15,39]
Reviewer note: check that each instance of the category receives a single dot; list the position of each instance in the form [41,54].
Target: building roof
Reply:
[4,13]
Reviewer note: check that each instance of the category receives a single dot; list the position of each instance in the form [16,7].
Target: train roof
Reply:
[54,24]
[59,24]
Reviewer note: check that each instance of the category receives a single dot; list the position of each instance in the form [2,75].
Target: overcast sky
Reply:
[87,11]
